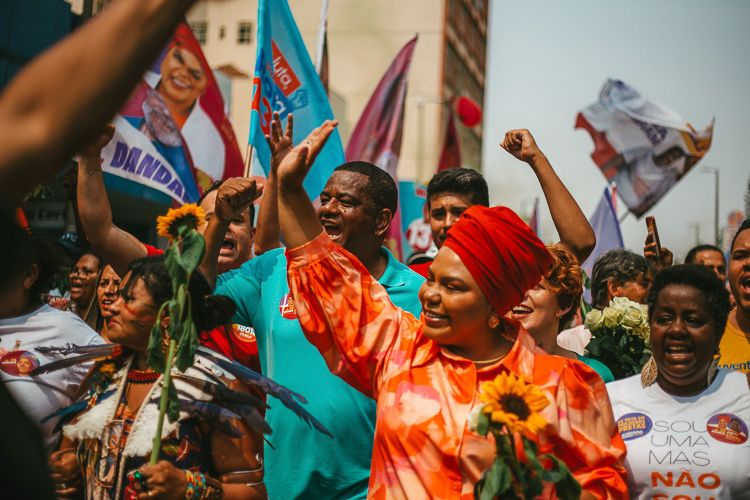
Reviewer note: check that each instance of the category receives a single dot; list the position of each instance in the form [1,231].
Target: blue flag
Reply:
[285,80]
[608,236]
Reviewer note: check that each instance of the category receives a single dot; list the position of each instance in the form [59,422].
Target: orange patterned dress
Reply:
[423,446]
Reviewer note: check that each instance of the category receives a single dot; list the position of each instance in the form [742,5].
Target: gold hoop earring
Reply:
[493,322]
[649,373]
[712,369]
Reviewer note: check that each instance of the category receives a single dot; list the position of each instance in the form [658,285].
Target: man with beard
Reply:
[356,208]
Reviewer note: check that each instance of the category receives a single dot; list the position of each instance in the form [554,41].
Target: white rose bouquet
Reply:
[620,336]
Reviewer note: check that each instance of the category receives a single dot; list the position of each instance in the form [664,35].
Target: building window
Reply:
[244,33]
[222,32]
[200,29]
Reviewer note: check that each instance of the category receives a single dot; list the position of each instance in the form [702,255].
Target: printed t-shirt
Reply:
[42,395]
[734,349]
[685,447]
[304,463]
[236,342]
[599,367]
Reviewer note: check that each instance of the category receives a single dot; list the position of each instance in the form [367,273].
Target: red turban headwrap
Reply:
[501,252]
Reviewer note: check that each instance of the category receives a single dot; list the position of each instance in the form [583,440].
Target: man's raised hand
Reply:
[521,144]
[295,166]
[95,148]
[280,144]
[235,196]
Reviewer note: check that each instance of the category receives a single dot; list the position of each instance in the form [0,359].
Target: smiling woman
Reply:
[425,374]
[681,394]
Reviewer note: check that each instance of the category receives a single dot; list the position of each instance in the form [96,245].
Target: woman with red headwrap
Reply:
[425,373]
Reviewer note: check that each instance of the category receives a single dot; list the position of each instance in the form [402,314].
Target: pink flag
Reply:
[534,222]
[377,136]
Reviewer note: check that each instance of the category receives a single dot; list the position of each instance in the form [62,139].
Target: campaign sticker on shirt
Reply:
[18,363]
[634,425]
[727,428]
[287,307]
[245,333]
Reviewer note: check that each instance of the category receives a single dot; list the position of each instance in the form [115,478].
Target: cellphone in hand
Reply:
[651,225]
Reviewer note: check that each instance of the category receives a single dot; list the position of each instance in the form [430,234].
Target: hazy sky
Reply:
[548,59]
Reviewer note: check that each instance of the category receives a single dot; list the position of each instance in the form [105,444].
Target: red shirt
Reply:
[236,342]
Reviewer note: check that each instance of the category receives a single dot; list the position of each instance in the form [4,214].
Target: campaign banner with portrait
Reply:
[414,218]
[173,134]
[643,146]
[285,81]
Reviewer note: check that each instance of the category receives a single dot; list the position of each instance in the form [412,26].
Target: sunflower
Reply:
[190,215]
[514,403]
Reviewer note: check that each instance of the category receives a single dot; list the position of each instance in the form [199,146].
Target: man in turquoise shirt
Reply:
[357,205]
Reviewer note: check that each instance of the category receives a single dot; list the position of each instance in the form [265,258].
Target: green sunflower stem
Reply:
[516,463]
[163,403]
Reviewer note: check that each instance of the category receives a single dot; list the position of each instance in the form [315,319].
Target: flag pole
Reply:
[248,156]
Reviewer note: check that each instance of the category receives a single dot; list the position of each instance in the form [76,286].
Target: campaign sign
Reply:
[417,236]
[634,425]
[18,363]
[287,308]
[727,428]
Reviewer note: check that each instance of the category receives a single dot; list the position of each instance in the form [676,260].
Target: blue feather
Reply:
[271,388]
[68,349]
[223,393]
[219,417]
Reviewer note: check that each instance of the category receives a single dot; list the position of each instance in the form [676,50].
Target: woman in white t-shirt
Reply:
[685,422]
[25,324]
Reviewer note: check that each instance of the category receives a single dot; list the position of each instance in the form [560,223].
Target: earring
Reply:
[712,368]
[493,322]
[649,372]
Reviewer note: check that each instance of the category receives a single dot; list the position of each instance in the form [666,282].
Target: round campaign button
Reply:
[244,333]
[287,307]
[18,363]
[727,428]
[634,425]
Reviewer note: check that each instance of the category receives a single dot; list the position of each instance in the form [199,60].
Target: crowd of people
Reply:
[390,359]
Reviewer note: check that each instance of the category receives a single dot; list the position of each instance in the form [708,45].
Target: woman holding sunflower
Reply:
[425,374]
[206,451]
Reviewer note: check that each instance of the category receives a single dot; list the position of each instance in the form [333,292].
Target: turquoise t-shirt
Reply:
[303,463]
[598,367]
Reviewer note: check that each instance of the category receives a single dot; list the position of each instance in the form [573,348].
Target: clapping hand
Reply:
[280,144]
[295,166]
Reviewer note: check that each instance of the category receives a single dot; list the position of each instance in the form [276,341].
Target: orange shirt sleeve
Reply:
[344,312]
[590,442]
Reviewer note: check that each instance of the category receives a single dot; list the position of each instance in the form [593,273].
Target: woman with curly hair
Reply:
[547,308]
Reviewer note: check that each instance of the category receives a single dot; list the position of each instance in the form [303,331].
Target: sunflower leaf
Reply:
[193,251]
[483,424]
[498,480]
[566,487]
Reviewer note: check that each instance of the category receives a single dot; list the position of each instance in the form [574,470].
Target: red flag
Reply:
[377,136]
[450,156]
[321,56]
